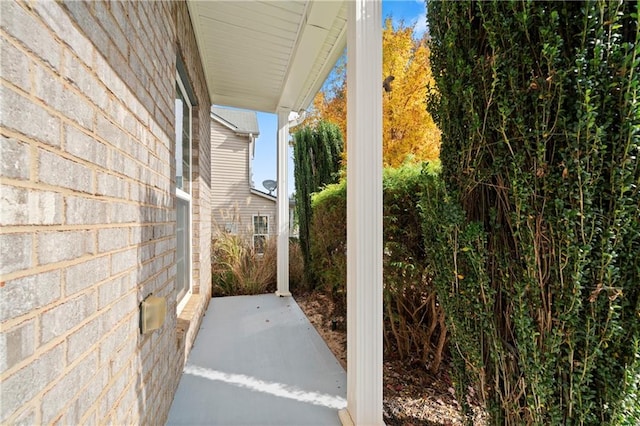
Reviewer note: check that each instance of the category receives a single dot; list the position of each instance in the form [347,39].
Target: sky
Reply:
[412,12]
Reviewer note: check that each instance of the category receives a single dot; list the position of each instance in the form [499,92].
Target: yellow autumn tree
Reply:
[409,133]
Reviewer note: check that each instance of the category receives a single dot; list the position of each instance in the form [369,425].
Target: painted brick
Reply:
[15,65]
[15,158]
[84,146]
[122,358]
[123,261]
[25,294]
[112,134]
[124,405]
[58,96]
[87,57]
[112,186]
[108,76]
[113,289]
[108,401]
[84,339]
[79,76]
[55,17]
[22,115]
[135,234]
[59,171]
[26,418]
[57,321]
[117,162]
[86,274]
[112,239]
[82,211]
[101,11]
[15,252]
[30,380]
[146,252]
[121,309]
[21,206]
[81,13]
[54,400]
[124,213]
[33,35]
[79,407]
[131,168]
[111,342]
[64,245]
[132,125]
[16,344]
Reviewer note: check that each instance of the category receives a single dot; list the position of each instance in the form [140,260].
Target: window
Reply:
[183,111]
[231,228]
[260,233]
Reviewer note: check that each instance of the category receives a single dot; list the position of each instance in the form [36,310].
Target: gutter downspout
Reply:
[252,154]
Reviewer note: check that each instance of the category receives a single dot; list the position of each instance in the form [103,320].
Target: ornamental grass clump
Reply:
[536,243]
[238,269]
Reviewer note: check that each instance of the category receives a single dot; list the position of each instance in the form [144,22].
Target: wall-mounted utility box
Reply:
[153,311]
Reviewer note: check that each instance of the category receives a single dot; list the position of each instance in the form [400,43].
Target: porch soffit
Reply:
[266,55]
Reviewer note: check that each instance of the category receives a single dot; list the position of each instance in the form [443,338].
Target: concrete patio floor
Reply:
[258,361]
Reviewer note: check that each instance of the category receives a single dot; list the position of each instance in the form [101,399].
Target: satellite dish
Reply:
[270,185]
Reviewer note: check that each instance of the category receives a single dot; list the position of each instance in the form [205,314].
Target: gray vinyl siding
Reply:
[232,200]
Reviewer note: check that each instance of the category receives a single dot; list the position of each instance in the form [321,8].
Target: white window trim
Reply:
[183,195]
[253,228]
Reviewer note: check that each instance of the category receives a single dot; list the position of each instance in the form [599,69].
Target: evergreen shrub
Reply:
[317,153]
[414,320]
[536,243]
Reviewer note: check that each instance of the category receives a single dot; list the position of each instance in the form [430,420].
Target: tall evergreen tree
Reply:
[539,246]
[317,154]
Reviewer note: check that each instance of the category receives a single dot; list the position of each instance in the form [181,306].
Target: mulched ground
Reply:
[412,395]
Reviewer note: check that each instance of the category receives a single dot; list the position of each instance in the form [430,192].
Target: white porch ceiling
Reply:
[263,55]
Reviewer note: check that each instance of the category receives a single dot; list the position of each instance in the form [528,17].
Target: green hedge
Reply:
[537,243]
[414,320]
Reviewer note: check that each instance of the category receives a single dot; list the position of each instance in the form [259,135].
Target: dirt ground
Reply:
[412,396]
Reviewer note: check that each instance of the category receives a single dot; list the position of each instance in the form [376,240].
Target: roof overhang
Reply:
[268,55]
[264,195]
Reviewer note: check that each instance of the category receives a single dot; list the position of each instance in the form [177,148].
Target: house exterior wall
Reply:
[87,209]
[231,198]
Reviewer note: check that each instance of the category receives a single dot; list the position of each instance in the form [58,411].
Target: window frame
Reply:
[182,296]
[254,234]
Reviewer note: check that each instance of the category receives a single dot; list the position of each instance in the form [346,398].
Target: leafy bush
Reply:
[414,320]
[535,245]
[328,238]
[238,270]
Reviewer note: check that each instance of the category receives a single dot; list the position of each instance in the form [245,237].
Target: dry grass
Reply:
[238,269]
[296,267]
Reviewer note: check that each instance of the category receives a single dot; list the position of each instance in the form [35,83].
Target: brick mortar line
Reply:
[64,298]
[125,54]
[93,167]
[66,48]
[68,85]
[137,371]
[62,340]
[68,192]
[68,368]
[31,229]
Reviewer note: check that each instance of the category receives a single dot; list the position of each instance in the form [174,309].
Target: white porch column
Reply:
[283,204]
[364,213]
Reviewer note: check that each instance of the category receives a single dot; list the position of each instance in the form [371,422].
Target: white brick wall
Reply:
[87,209]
